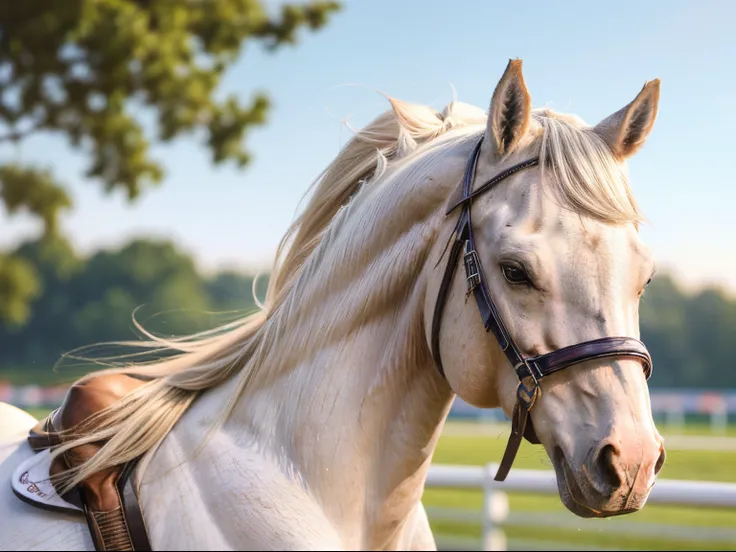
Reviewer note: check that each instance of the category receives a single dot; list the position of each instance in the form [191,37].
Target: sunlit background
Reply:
[188,247]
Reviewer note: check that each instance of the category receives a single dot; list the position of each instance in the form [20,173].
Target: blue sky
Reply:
[588,58]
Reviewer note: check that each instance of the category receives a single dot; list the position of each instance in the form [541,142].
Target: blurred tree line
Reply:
[84,301]
[87,301]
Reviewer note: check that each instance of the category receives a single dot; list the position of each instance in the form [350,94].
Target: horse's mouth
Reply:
[572,495]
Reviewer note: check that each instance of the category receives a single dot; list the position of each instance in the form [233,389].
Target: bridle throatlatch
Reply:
[528,370]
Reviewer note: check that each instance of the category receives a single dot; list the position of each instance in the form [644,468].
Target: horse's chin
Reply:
[572,496]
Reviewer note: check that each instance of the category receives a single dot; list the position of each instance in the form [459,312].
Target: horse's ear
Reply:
[510,112]
[626,130]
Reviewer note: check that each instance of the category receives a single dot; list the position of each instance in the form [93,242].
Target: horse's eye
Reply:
[514,274]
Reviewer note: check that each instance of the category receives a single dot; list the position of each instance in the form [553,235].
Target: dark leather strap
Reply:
[462,236]
[493,181]
[475,276]
[132,509]
[439,306]
[560,359]
[518,426]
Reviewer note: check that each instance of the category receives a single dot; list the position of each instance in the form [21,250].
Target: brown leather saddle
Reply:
[107,498]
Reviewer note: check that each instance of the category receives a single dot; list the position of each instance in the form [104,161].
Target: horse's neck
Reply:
[357,419]
[357,422]
[347,400]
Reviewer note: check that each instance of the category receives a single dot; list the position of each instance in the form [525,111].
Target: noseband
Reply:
[529,370]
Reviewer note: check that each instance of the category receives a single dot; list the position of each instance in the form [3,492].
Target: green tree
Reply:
[233,291]
[80,68]
[664,330]
[690,336]
[55,264]
[150,278]
[88,302]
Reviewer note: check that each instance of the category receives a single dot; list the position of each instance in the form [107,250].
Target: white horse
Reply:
[311,424]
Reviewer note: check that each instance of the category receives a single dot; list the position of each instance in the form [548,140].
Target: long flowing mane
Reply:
[204,360]
[400,144]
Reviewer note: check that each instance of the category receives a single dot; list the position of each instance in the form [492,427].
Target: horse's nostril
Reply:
[660,461]
[606,465]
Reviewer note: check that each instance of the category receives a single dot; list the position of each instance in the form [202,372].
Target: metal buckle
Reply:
[528,392]
[472,270]
[529,372]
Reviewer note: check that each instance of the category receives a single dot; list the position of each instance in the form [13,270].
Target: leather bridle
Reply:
[529,370]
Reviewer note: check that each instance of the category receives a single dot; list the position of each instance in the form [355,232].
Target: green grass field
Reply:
[680,464]
[455,447]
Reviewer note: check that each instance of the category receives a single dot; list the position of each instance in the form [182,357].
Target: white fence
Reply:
[673,407]
[495,513]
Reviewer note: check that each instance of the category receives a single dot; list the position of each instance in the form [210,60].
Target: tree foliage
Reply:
[87,69]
